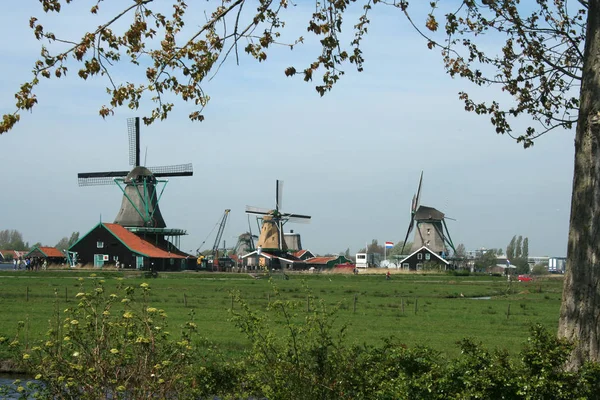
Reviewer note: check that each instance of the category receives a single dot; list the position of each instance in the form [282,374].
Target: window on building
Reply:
[100,245]
[419,256]
[427,256]
[406,265]
[419,266]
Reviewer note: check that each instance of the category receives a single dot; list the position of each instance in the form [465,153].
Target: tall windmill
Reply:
[139,208]
[431,229]
[271,233]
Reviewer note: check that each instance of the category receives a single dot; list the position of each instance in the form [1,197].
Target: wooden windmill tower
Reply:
[142,189]
[271,236]
[431,230]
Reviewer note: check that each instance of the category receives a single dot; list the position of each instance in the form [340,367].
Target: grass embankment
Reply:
[432,310]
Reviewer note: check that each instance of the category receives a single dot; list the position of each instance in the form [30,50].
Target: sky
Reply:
[350,159]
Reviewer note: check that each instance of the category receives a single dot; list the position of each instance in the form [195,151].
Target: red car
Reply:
[524,278]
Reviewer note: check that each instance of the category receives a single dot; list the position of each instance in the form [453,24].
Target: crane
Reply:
[214,254]
[215,248]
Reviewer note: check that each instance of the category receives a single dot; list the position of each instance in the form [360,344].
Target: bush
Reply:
[539,269]
[459,272]
[112,346]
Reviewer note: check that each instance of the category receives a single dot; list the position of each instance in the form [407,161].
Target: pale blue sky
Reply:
[350,159]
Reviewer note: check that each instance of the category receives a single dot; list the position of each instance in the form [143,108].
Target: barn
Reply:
[51,254]
[9,255]
[112,244]
[265,260]
[321,263]
[304,254]
[424,259]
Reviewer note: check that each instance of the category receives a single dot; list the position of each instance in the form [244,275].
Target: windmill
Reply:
[271,233]
[139,208]
[431,229]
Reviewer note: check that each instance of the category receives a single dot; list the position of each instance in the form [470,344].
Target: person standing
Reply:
[14,264]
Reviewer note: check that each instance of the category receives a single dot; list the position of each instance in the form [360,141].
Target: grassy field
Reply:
[434,310]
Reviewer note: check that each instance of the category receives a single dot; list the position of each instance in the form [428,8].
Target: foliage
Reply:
[525,251]
[112,345]
[519,247]
[400,249]
[173,62]
[66,242]
[539,269]
[521,264]
[11,239]
[307,361]
[461,251]
[511,248]
[539,62]
[485,260]
[373,248]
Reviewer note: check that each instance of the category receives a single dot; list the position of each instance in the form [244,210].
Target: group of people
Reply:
[29,264]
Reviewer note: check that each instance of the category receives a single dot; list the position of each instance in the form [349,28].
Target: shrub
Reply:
[113,346]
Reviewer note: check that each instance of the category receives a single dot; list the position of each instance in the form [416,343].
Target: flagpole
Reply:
[385,252]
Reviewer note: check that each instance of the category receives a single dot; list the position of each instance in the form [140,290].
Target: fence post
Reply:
[355,300]
[402,304]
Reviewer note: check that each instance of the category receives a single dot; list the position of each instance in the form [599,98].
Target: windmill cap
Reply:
[424,212]
[138,172]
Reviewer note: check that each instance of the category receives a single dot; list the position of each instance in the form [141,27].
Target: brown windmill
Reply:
[271,237]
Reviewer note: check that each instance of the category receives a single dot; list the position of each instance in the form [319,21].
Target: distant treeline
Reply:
[12,239]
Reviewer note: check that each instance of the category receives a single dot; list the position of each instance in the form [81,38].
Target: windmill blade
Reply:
[257,210]
[410,228]
[98,181]
[296,216]
[173,170]
[107,174]
[133,129]
[297,220]
[417,198]
[278,195]
[279,226]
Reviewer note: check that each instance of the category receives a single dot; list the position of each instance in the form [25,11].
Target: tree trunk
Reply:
[580,310]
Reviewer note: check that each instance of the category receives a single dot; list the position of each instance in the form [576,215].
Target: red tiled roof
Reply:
[51,251]
[320,260]
[15,253]
[137,244]
[300,253]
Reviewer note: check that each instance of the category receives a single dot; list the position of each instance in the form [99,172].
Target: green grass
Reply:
[445,310]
